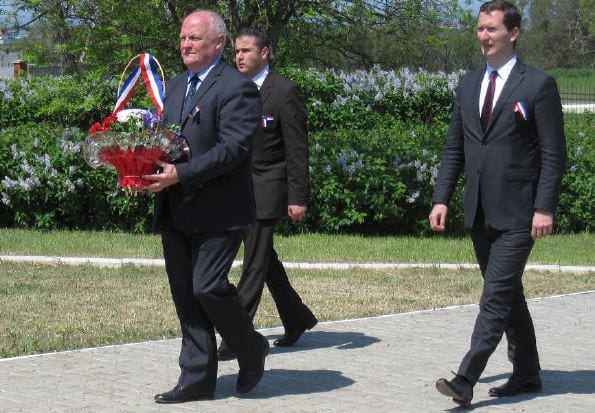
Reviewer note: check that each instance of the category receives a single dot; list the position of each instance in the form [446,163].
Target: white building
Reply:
[7,55]
[6,37]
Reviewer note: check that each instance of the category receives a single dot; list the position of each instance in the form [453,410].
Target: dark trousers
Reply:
[261,265]
[502,256]
[197,267]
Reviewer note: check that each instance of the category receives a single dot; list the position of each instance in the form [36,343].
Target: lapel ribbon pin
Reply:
[267,120]
[195,111]
[520,108]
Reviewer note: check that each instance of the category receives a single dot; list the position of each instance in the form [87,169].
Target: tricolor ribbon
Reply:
[267,120]
[148,69]
[520,108]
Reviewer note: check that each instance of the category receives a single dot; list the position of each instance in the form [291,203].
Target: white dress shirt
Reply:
[261,76]
[503,73]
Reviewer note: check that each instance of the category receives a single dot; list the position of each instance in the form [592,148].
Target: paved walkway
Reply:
[382,364]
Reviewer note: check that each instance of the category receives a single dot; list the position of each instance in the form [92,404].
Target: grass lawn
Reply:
[50,308]
[577,249]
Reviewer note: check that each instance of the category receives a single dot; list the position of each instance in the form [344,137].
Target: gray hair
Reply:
[217,25]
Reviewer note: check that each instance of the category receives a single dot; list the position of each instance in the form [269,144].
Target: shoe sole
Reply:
[185,400]
[446,390]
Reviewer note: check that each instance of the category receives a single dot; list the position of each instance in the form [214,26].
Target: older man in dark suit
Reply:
[507,132]
[280,176]
[203,206]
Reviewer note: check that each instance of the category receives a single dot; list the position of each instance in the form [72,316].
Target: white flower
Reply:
[126,114]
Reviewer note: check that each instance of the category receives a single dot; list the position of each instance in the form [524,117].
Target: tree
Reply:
[559,33]
[104,34]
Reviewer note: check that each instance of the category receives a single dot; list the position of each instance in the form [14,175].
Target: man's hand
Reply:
[438,217]
[167,177]
[543,223]
[296,212]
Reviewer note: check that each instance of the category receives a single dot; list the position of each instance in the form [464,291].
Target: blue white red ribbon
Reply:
[148,69]
[520,108]
[267,120]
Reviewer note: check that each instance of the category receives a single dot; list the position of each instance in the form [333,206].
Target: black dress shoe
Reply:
[181,394]
[458,388]
[248,378]
[291,337]
[224,353]
[516,384]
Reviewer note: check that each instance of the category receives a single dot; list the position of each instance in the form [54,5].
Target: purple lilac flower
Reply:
[350,162]
[45,161]
[30,183]
[70,187]
[9,183]
[413,197]
[16,154]
[69,147]
[25,167]
[6,93]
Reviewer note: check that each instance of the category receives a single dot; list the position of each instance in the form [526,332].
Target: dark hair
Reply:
[512,16]
[262,39]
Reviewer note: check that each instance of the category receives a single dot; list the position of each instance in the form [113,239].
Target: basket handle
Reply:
[149,68]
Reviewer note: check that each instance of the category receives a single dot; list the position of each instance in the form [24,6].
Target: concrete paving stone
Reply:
[381,364]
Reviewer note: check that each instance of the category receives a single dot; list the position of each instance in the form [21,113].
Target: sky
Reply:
[474,5]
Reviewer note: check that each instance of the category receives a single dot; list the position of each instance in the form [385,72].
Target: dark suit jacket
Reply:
[280,149]
[516,166]
[215,190]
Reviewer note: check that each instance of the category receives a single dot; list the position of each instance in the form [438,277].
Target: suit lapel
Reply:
[514,80]
[175,92]
[267,87]
[204,86]
[476,87]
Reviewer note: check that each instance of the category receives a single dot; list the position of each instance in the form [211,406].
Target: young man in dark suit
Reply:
[202,207]
[280,176]
[507,132]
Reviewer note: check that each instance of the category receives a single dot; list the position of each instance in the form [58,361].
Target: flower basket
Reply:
[133,155]
[131,140]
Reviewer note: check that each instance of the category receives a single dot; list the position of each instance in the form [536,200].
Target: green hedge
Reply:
[373,160]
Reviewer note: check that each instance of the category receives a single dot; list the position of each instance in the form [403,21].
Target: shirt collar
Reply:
[203,73]
[261,76]
[503,71]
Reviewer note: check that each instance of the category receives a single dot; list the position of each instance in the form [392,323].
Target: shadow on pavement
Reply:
[281,382]
[325,339]
[555,382]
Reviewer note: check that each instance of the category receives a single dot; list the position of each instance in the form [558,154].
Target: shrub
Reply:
[68,101]
[374,181]
[375,98]
[45,184]
[376,142]
[576,211]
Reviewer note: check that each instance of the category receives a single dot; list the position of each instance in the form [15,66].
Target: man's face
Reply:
[198,46]
[250,60]
[497,43]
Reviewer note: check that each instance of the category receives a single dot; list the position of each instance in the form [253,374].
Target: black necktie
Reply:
[190,94]
[486,109]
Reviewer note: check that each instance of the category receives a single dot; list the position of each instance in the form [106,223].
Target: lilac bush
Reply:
[45,184]
[376,140]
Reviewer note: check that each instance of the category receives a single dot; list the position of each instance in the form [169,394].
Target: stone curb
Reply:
[118,262]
